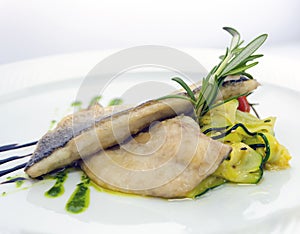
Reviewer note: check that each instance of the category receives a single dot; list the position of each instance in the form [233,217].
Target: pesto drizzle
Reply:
[80,199]
[115,102]
[58,188]
[19,183]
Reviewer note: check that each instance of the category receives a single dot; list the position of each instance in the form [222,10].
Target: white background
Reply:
[35,28]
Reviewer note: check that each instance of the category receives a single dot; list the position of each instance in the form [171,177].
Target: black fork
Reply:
[11,147]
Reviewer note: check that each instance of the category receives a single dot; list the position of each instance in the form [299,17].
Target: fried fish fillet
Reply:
[168,161]
[90,131]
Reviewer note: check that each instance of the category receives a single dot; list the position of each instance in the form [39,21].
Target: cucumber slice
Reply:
[243,166]
[209,183]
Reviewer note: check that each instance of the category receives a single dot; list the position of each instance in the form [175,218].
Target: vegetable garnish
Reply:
[243,104]
[236,61]
[254,146]
[240,125]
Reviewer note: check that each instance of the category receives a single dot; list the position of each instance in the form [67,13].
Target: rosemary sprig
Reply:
[235,61]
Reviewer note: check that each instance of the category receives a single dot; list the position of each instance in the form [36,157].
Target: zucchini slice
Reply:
[244,165]
[207,184]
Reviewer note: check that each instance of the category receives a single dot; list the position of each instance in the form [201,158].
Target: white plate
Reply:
[272,205]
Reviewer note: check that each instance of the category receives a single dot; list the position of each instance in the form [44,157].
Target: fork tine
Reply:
[12,158]
[16,146]
[7,171]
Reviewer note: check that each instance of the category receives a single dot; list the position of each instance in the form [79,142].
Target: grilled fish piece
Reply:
[89,132]
[168,161]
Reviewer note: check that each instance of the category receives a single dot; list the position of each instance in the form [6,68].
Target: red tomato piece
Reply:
[243,104]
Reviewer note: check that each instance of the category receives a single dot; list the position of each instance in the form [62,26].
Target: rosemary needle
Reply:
[236,60]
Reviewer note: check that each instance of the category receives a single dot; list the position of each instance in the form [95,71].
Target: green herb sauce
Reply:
[77,105]
[58,188]
[95,100]
[115,101]
[52,124]
[19,183]
[80,199]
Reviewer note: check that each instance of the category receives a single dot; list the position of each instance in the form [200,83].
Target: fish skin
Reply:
[168,161]
[72,140]
[84,142]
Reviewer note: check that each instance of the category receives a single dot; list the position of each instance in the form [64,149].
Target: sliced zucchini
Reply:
[223,115]
[256,143]
[279,155]
[254,146]
[210,182]
[244,165]
[253,124]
